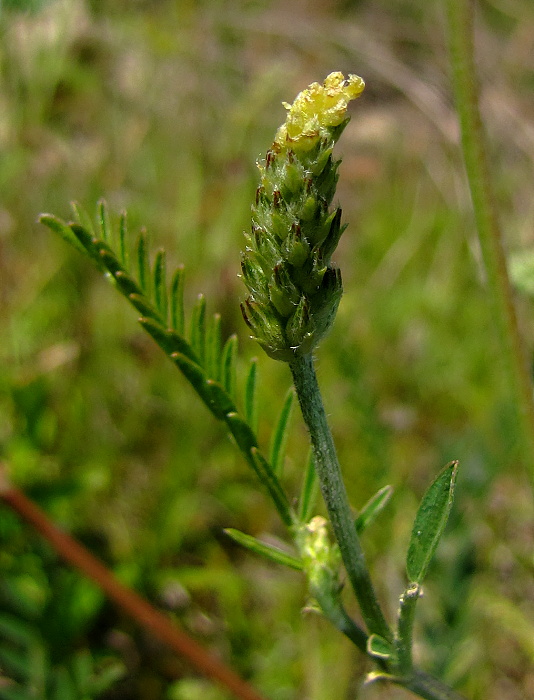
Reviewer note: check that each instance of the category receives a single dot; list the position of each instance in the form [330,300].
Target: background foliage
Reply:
[162,107]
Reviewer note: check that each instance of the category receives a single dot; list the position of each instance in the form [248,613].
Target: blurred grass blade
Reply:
[106,677]
[251,398]
[213,347]
[82,670]
[228,366]
[198,329]
[143,263]
[372,508]
[521,270]
[309,491]
[507,616]
[160,283]
[16,630]
[280,434]
[265,550]
[103,221]
[430,522]
[177,301]
[123,235]
[14,662]
[62,686]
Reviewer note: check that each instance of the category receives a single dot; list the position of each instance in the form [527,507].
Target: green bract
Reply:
[294,291]
[320,560]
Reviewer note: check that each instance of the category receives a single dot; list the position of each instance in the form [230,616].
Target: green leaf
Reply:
[108,257]
[14,662]
[372,508]
[160,283]
[267,476]
[12,692]
[141,304]
[228,365]
[63,687]
[265,550]
[143,263]
[220,402]
[380,648]
[430,522]
[107,676]
[213,347]
[196,377]
[177,301]
[83,218]
[127,285]
[82,671]
[103,221]
[16,630]
[123,235]
[169,341]
[309,491]
[280,435]
[380,676]
[88,242]
[198,329]
[60,227]
[251,402]
[242,433]
[247,443]
[40,667]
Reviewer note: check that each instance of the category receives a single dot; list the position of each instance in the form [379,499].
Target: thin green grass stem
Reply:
[465,85]
[335,494]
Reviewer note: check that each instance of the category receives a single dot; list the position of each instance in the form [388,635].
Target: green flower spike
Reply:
[294,291]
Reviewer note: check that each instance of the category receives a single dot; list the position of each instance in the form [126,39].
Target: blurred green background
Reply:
[162,107]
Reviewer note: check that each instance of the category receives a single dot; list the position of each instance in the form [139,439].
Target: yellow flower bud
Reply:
[316,109]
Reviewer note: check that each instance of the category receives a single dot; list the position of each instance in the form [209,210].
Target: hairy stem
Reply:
[460,27]
[335,494]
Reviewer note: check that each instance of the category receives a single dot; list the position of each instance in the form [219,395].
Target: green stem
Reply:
[403,642]
[430,688]
[460,24]
[339,617]
[335,495]
[337,504]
